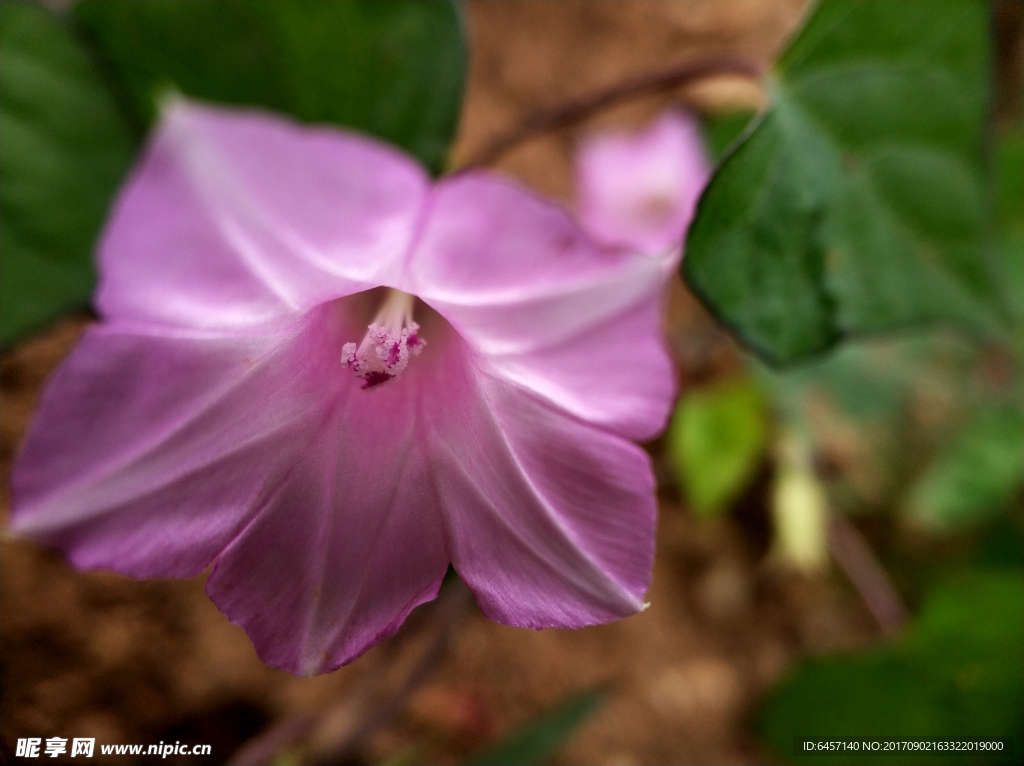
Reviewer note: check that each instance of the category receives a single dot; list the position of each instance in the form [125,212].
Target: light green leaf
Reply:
[715,440]
[393,69]
[540,737]
[64,151]
[976,474]
[857,204]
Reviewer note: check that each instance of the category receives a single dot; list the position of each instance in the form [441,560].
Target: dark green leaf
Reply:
[1010,197]
[393,69]
[715,440]
[1010,168]
[542,736]
[857,204]
[65,148]
[958,674]
[721,131]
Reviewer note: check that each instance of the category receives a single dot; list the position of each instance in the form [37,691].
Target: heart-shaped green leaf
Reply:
[858,202]
[65,148]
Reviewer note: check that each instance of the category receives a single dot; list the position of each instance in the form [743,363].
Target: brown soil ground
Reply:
[98,655]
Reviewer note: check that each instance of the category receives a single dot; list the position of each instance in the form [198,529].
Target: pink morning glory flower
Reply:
[329,378]
[640,190]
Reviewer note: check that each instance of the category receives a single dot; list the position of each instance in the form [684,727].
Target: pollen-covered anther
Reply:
[389,343]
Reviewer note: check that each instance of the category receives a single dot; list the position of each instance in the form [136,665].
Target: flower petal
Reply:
[551,520]
[148,451]
[234,217]
[617,375]
[348,545]
[573,322]
[640,191]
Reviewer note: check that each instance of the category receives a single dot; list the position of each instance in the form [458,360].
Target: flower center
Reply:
[391,339]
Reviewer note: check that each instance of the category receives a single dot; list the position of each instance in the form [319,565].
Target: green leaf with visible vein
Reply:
[393,69]
[722,130]
[858,202]
[64,151]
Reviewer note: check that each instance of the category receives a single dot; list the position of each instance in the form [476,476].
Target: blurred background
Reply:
[838,543]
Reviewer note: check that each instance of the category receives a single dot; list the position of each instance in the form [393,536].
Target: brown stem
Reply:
[450,609]
[266,746]
[575,111]
[855,557]
[446,613]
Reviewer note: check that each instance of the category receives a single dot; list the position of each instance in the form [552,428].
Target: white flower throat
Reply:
[390,341]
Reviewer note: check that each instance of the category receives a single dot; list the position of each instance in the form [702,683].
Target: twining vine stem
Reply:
[442,617]
[571,112]
[449,610]
[855,557]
